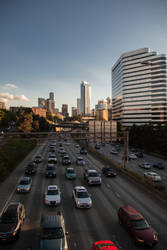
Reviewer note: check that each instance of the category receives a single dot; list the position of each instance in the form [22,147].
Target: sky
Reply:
[53,45]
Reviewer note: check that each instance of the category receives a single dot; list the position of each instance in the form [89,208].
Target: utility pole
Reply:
[126,145]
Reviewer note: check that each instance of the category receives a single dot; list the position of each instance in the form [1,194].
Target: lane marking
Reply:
[117,194]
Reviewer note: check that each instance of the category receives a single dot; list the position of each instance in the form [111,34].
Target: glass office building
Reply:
[139,88]
[85,98]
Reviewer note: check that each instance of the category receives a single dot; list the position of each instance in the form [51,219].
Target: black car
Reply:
[97,146]
[66,160]
[31,168]
[139,154]
[11,221]
[38,159]
[108,171]
[50,171]
[53,234]
[83,151]
[158,165]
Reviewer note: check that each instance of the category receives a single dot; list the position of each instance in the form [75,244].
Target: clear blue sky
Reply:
[52,45]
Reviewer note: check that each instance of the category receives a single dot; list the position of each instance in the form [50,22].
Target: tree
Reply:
[25,123]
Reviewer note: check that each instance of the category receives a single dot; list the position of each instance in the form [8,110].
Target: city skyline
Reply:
[53,46]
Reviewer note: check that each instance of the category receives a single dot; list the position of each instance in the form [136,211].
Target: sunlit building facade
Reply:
[139,88]
[85,98]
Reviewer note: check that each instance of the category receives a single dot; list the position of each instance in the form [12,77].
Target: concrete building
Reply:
[139,87]
[102,114]
[51,96]
[39,111]
[64,110]
[41,103]
[74,111]
[85,98]
[79,105]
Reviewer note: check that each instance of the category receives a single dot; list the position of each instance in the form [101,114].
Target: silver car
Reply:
[52,196]
[152,176]
[81,197]
[145,165]
[80,161]
[24,185]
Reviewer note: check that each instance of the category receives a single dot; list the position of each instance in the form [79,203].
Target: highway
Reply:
[84,226]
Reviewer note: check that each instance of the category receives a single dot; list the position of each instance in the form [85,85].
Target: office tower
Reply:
[41,103]
[79,105]
[74,111]
[139,87]
[85,98]
[51,96]
[64,110]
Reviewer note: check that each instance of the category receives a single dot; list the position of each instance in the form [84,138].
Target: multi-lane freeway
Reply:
[84,226]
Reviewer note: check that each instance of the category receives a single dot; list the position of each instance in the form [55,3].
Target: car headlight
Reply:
[89,181]
[139,240]
[78,203]
[47,201]
[14,233]
[155,237]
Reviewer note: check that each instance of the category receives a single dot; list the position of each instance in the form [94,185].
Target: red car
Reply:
[138,227]
[104,245]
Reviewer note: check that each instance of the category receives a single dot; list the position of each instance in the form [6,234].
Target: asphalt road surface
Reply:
[84,226]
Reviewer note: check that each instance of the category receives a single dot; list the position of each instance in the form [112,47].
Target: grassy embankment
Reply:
[12,153]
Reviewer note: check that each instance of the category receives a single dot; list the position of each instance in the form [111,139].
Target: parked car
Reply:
[108,171]
[83,151]
[104,245]
[145,165]
[114,152]
[97,146]
[52,196]
[38,159]
[152,176]
[31,168]
[66,160]
[11,221]
[132,157]
[70,173]
[158,165]
[139,228]
[92,177]
[80,161]
[53,233]
[50,170]
[24,185]
[81,197]
[52,159]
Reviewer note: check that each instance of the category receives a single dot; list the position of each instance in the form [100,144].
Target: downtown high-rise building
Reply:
[79,106]
[139,88]
[64,110]
[85,98]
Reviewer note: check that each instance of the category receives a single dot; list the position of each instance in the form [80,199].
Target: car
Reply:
[145,165]
[103,144]
[52,196]
[108,171]
[132,157]
[139,154]
[61,151]
[50,170]
[104,245]
[152,176]
[158,165]
[31,168]
[92,177]
[70,174]
[83,151]
[80,161]
[53,233]
[97,146]
[138,227]
[81,197]
[114,152]
[66,160]
[24,185]
[11,221]
[38,159]
[77,146]
[52,159]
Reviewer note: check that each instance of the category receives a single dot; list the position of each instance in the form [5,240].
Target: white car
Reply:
[81,197]
[52,159]
[80,161]
[152,176]
[132,157]
[145,165]
[52,196]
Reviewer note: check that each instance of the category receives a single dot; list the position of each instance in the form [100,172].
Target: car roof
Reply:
[132,212]
[12,207]
[80,188]
[69,168]
[25,178]
[51,221]
[79,158]
[92,171]
[53,187]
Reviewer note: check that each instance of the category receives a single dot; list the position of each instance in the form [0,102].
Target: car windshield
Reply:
[140,224]
[8,218]
[70,171]
[53,233]
[52,192]
[93,174]
[82,195]
[24,182]
[50,168]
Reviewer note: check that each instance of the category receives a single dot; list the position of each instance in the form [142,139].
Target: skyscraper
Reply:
[51,96]
[139,87]
[65,110]
[79,106]
[41,103]
[85,98]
